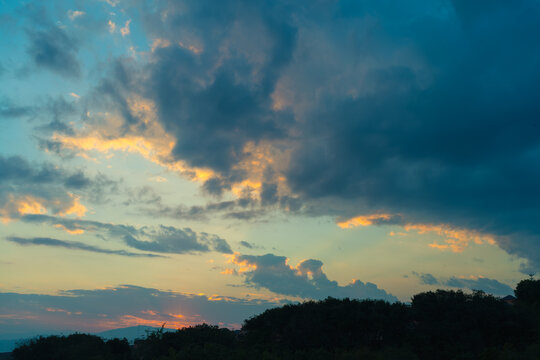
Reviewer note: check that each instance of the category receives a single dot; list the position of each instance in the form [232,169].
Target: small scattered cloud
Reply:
[74,14]
[112,26]
[426,278]
[125,29]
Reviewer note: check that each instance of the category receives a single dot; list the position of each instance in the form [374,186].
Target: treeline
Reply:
[436,325]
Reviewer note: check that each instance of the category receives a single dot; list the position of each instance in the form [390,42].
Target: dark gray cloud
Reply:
[10,110]
[246,244]
[487,285]
[426,278]
[307,280]
[54,49]
[121,306]
[160,239]
[491,286]
[74,245]
[425,109]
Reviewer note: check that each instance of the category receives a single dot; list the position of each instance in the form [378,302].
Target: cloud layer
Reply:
[120,306]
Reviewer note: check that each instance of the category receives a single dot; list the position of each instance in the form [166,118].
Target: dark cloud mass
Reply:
[307,280]
[54,50]
[426,109]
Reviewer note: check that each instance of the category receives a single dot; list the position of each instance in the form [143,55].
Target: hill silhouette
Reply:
[438,324]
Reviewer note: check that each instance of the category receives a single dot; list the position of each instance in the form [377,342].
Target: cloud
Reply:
[10,110]
[306,280]
[426,279]
[46,187]
[246,244]
[160,239]
[74,14]
[74,245]
[55,50]
[487,285]
[349,107]
[120,306]
[124,30]
[168,239]
[481,283]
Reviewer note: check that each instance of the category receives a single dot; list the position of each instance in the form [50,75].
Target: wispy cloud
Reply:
[160,239]
[74,245]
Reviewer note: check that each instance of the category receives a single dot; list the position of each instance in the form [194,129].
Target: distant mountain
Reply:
[9,342]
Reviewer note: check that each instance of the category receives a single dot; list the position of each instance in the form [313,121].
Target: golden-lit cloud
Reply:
[363,220]
[453,238]
[76,208]
[132,320]
[73,14]
[192,48]
[69,231]
[242,264]
[21,205]
[125,30]
[160,43]
[108,136]
[112,26]
[154,144]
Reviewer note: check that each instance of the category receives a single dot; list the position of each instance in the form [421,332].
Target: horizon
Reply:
[191,162]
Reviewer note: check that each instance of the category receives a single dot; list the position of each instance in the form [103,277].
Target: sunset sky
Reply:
[201,161]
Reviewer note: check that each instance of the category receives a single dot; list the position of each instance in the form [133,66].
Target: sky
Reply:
[183,162]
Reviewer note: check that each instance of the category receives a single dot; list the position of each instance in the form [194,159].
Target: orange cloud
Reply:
[131,320]
[363,220]
[243,265]
[160,43]
[193,49]
[108,135]
[76,208]
[69,231]
[125,30]
[455,239]
[22,205]
[154,144]
[30,205]
[229,271]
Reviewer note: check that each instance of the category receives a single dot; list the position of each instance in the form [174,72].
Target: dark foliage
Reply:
[436,325]
[76,346]
[528,292]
